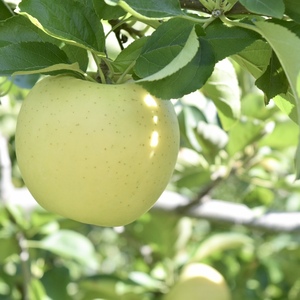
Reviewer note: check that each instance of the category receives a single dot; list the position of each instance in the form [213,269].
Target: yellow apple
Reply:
[99,154]
[199,282]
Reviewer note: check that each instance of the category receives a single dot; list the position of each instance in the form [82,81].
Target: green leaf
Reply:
[55,281]
[287,104]
[19,29]
[265,7]
[89,3]
[188,79]
[55,69]
[77,55]
[220,242]
[170,47]
[9,246]
[286,45]
[67,20]
[227,41]
[165,226]
[223,88]
[283,136]
[144,279]
[188,118]
[273,81]
[107,12]
[23,58]
[151,9]
[5,11]
[253,105]
[36,291]
[193,179]
[69,244]
[129,55]
[254,58]
[244,133]
[211,138]
[297,157]
[109,287]
[298,85]
[290,25]
[292,9]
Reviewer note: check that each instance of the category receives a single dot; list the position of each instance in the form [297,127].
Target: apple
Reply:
[100,154]
[199,282]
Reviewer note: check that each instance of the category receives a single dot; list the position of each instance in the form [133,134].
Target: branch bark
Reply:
[230,213]
[197,6]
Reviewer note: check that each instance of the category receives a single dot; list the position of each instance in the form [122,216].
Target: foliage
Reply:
[234,72]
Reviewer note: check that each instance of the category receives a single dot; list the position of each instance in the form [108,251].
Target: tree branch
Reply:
[197,6]
[230,213]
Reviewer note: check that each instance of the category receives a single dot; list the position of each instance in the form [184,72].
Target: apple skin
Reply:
[98,154]
[199,282]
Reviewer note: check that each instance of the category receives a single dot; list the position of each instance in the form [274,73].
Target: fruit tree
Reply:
[149,149]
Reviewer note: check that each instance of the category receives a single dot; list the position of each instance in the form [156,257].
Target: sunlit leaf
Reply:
[191,77]
[189,118]
[223,88]
[64,243]
[244,133]
[170,48]
[253,105]
[36,291]
[287,104]
[220,242]
[284,135]
[286,45]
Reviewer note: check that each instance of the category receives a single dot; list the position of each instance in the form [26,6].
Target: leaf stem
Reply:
[99,70]
[229,22]
[196,20]
[120,80]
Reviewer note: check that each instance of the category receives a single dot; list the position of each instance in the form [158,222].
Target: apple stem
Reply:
[100,72]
